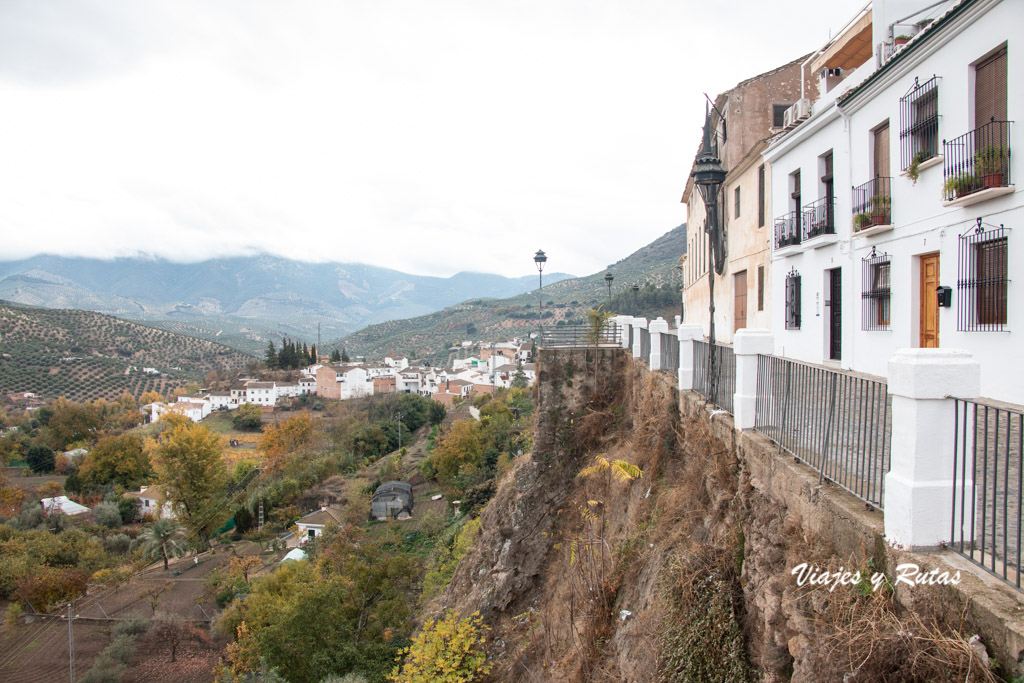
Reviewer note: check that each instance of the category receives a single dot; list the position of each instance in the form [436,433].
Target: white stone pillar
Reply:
[679,321]
[686,334]
[624,322]
[918,498]
[638,324]
[746,345]
[656,327]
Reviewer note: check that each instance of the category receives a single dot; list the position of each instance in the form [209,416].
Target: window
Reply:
[982,279]
[793,300]
[760,196]
[736,202]
[880,138]
[760,287]
[779,115]
[919,122]
[875,292]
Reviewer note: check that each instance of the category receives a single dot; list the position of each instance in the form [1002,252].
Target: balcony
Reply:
[819,222]
[976,165]
[872,207]
[787,232]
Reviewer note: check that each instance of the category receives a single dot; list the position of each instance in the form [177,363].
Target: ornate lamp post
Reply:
[608,277]
[708,176]
[540,259]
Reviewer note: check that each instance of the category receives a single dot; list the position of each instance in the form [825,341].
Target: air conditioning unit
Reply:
[800,111]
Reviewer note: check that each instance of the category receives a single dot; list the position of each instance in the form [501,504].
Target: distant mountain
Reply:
[244,301]
[653,268]
[84,355]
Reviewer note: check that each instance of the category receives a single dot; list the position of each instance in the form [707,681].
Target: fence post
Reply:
[638,324]
[656,327]
[686,334]
[918,496]
[624,321]
[746,345]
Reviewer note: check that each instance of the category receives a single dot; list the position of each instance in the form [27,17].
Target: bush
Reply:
[131,627]
[450,650]
[41,459]
[108,514]
[118,543]
[14,613]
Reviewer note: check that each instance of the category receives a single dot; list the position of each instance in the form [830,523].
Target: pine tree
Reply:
[335,356]
[344,355]
[272,359]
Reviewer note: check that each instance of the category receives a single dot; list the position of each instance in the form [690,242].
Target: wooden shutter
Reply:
[882,151]
[990,89]
[760,196]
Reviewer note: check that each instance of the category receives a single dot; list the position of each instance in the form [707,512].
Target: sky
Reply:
[427,136]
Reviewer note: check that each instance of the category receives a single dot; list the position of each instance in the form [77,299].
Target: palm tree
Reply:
[165,538]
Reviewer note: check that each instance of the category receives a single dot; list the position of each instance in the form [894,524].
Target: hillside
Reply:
[243,301]
[84,355]
[429,336]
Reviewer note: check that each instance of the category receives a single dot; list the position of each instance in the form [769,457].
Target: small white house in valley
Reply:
[149,498]
[315,523]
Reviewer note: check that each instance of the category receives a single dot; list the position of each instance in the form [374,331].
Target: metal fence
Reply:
[670,353]
[645,344]
[580,336]
[720,386]
[837,423]
[988,463]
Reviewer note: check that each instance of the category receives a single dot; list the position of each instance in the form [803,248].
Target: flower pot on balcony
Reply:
[878,219]
[901,40]
[993,180]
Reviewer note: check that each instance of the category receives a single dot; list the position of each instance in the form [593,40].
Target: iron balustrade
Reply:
[982,282]
[872,203]
[987,463]
[787,230]
[579,336]
[719,387]
[819,218]
[977,160]
[919,122]
[838,423]
[670,353]
[645,344]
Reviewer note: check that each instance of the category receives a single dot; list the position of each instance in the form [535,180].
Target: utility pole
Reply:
[317,339]
[399,430]
[71,645]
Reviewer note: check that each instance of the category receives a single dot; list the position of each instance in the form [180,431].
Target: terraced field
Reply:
[84,355]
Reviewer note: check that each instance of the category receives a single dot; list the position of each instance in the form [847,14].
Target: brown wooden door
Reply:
[882,151]
[739,288]
[929,301]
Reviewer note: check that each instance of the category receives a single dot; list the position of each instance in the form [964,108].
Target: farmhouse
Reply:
[392,499]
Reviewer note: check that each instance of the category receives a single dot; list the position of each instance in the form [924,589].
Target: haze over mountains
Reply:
[245,301]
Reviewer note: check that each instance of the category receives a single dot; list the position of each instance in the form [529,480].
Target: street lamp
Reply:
[708,176]
[608,277]
[636,290]
[540,259]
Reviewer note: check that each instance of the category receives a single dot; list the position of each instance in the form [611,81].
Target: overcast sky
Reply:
[430,136]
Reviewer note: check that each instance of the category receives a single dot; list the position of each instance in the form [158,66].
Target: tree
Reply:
[40,458]
[191,471]
[519,380]
[243,520]
[436,412]
[449,650]
[335,356]
[283,440]
[151,397]
[247,417]
[115,460]
[175,632]
[239,567]
[271,356]
[163,538]
[344,355]
[458,454]
[72,422]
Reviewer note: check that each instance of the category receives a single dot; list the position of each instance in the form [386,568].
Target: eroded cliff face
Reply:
[681,573]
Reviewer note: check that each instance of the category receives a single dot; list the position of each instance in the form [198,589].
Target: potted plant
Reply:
[958,185]
[988,164]
[914,170]
[901,39]
[880,207]
[861,221]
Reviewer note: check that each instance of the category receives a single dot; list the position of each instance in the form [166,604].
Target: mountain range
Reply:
[245,301]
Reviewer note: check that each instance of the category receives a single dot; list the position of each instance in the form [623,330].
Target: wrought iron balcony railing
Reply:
[820,218]
[977,160]
[787,230]
[872,203]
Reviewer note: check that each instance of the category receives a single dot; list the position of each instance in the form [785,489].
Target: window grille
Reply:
[760,196]
[760,288]
[919,122]
[736,202]
[875,292]
[793,300]
[982,279]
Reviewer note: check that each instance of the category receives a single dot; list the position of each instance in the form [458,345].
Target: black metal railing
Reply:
[977,160]
[645,344]
[988,461]
[787,230]
[839,424]
[580,336]
[919,122]
[718,386]
[983,277]
[670,353]
[820,218]
[872,203]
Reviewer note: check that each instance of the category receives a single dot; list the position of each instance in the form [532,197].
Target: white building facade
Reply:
[864,251]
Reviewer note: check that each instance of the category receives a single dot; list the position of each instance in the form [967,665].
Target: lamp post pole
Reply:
[636,298]
[540,258]
[608,277]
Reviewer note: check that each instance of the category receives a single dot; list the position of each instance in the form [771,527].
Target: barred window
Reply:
[793,300]
[875,292]
[919,122]
[982,279]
